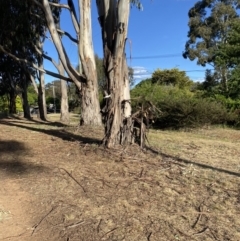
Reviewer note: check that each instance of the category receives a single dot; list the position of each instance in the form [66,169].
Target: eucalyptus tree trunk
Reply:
[42,108]
[12,102]
[12,95]
[64,117]
[113,18]
[90,108]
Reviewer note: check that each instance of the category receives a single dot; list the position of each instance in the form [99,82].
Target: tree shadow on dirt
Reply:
[181,160]
[64,135]
[18,119]
[11,159]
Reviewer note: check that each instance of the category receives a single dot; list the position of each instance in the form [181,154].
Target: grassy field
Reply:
[58,183]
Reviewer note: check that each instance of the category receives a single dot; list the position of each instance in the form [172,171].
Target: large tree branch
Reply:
[73,74]
[34,65]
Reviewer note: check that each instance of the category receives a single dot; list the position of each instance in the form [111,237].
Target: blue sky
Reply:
[156,38]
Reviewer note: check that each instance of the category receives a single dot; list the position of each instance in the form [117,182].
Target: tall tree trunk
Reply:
[64,117]
[12,102]
[42,108]
[41,98]
[117,112]
[90,108]
[26,109]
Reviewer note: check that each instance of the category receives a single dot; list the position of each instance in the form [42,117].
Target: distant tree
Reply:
[210,83]
[209,25]
[234,83]
[174,77]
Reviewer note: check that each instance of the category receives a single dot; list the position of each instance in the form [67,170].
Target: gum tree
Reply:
[86,81]
[209,25]
[113,19]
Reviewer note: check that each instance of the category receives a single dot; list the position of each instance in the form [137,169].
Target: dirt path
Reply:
[59,185]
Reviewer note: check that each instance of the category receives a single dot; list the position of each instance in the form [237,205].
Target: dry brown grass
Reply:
[66,187]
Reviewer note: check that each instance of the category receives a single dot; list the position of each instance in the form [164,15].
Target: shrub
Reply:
[181,108]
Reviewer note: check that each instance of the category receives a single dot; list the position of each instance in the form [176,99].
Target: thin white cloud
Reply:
[140,72]
[142,76]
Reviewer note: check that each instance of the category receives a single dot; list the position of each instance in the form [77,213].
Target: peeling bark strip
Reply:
[113,19]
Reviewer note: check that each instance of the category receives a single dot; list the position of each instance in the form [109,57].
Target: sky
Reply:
[156,39]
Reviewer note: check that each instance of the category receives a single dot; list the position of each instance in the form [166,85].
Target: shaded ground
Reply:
[58,184]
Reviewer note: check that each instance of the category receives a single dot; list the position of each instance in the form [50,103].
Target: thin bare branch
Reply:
[74,16]
[34,65]
[67,34]
[50,59]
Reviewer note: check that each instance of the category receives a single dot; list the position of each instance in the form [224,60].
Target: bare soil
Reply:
[57,183]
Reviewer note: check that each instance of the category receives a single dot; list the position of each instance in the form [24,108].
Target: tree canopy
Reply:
[173,77]
[209,25]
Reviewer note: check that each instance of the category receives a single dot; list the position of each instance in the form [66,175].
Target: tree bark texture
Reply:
[26,109]
[12,102]
[90,111]
[41,94]
[64,117]
[113,18]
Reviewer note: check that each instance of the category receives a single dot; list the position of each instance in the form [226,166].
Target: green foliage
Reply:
[210,86]
[19,107]
[183,112]
[234,83]
[196,106]
[173,77]
[32,96]
[4,104]
[229,51]
[213,36]
[229,103]
[209,24]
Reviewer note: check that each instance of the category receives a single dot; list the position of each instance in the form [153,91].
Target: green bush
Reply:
[192,112]
[3,104]
[181,108]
